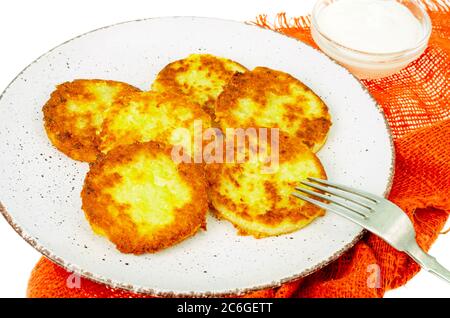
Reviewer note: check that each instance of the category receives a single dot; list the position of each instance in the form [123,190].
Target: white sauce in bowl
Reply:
[373,26]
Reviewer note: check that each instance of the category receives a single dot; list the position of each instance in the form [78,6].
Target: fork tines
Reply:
[342,200]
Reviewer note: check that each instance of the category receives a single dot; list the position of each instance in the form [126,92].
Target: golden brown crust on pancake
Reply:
[75,111]
[151,116]
[268,98]
[199,76]
[261,204]
[142,174]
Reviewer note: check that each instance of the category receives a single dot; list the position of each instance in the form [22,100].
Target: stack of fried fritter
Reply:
[143,200]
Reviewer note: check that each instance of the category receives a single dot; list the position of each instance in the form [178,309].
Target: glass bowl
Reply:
[366,65]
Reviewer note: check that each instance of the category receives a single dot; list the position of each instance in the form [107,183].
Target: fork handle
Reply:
[428,262]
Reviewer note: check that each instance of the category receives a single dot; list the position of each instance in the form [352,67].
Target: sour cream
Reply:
[373,26]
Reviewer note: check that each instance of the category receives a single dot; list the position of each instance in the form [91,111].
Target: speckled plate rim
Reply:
[237,292]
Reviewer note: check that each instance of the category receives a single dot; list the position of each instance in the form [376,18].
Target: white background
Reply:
[30,28]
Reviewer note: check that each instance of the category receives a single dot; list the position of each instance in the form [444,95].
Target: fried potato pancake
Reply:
[199,76]
[74,114]
[141,200]
[268,98]
[258,202]
[151,116]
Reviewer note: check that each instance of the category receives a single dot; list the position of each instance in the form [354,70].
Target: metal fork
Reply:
[374,213]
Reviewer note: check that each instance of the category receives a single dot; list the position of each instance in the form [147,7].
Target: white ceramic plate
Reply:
[40,187]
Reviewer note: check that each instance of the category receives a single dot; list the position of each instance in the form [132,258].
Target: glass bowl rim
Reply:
[409,51]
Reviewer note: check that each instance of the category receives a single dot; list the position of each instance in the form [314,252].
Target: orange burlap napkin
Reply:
[416,103]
